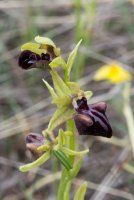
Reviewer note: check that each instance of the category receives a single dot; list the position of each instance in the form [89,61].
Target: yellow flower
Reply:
[113,73]
[43,45]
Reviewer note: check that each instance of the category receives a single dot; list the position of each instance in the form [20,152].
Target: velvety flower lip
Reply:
[28,59]
[45,56]
[82,104]
[91,119]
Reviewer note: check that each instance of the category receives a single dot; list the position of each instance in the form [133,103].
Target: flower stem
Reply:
[65,179]
[71,142]
[63,184]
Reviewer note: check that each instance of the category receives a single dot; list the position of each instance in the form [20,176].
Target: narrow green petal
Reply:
[41,160]
[51,90]
[61,138]
[74,153]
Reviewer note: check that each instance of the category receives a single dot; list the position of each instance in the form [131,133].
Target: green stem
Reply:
[71,142]
[67,191]
[65,178]
[63,184]
[54,170]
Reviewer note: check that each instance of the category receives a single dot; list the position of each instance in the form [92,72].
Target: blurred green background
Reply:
[107,30]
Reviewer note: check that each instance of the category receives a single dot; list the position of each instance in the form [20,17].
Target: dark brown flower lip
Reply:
[29,59]
[82,104]
[91,119]
[45,56]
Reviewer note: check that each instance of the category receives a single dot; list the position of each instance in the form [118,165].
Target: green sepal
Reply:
[45,41]
[60,116]
[60,87]
[63,159]
[51,90]
[80,193]
[62,101]
[58,62]
[72,56]
[74,87]
[41,160]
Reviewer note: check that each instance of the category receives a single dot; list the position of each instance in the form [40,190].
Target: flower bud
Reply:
[33,141]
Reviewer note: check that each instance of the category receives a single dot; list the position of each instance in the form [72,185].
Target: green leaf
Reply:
[63,159]
[60,116]
[72,56]
[51,90]
[60,87]
[58,62]
[80,194]
[41,160]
